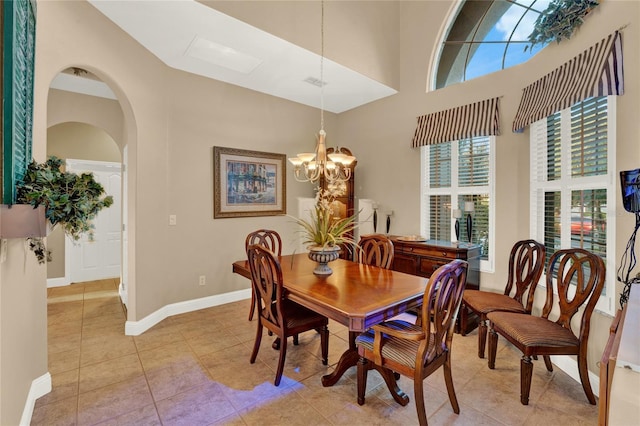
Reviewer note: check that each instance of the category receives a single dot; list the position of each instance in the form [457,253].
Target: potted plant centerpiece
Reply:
[70,200]
[324,233]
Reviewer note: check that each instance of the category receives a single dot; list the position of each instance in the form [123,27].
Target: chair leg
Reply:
[253,304]
[295,339]
[256,345]
[276,342]
[283,355]
[482,337]
[418,391]
[324,344]
[584,378]
[547,362]
[363,368]
[493,348]
[448,379]
[463,320]
[526,371]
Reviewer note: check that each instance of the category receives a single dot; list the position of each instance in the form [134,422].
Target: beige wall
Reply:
[171,121]
[103,113]
[23,328]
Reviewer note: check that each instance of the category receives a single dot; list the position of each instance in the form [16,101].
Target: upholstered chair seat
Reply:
[535,331]
[485,302]
[396,349]
[526,264]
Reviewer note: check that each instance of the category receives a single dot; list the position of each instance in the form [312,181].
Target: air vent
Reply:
[315,81]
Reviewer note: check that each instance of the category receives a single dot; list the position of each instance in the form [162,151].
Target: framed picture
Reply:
[248,183]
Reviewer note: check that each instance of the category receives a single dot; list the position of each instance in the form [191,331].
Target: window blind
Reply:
[589,137]
[467,121]
[572,184]
[598,71]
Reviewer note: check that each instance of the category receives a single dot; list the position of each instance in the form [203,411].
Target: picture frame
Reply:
[248,183]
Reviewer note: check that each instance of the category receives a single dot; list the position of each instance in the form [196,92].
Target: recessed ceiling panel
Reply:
[192,37]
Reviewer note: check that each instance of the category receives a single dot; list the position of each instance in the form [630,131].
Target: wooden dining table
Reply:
[355,295]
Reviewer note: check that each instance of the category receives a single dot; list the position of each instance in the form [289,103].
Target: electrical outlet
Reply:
[172,219]
[202,280]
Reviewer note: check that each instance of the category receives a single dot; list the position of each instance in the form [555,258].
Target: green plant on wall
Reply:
[71,200]
[558,21]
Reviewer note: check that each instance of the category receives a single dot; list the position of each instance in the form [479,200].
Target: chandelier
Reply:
[332,166]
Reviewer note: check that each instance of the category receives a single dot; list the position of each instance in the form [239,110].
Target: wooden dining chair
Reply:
[573,271]
[266,238]
[526,264]
[416,351]
[278,314]
[376,250]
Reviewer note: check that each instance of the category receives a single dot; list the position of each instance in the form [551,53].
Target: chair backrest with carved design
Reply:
[441,303]
[376,250]
[574,270]
[526,264]
[266,279]
[266,238]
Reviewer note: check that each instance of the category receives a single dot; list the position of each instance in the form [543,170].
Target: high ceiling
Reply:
[190,36]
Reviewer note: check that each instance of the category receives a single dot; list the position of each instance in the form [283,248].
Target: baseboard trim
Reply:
[57,282]
[39,387]
[135,328]
[570,366]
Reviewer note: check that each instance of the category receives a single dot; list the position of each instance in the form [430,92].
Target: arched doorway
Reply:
[85,124]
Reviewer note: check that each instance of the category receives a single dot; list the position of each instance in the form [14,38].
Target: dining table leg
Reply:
[348,359]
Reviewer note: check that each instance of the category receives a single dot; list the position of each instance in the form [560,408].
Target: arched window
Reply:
[487,36]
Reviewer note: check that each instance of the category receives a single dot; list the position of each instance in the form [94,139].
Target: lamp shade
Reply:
[469,206]
[457,213]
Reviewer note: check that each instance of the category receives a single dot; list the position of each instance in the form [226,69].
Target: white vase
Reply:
[323,255]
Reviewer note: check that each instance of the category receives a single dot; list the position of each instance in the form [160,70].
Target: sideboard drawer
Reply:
[428,265]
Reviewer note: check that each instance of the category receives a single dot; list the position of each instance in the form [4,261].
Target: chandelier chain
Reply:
[334,167]
[322,66]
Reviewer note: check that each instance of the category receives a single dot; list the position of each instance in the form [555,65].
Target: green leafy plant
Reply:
[324,229]
[558,21]
[71,200]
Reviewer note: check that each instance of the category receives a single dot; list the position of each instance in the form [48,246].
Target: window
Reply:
[572,182]
[487,36]
[454,174]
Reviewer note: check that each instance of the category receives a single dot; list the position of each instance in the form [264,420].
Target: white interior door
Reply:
[99,258]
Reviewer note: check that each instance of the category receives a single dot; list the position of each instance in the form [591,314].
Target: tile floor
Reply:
[193,369]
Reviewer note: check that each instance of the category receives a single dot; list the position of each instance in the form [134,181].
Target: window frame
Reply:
[538,132]
[486,265]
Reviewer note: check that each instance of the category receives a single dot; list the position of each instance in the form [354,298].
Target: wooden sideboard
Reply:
[423,258]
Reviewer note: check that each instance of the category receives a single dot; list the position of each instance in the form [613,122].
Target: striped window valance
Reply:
[595,72]
[467,121]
